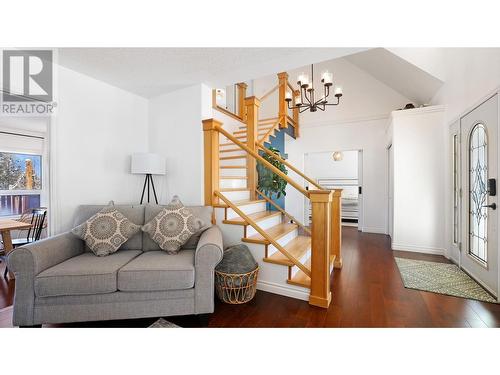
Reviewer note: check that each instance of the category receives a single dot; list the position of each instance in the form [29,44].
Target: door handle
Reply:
[493,206]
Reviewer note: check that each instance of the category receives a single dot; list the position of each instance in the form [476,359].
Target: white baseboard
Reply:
[373,230]
[418,249]
[283,290]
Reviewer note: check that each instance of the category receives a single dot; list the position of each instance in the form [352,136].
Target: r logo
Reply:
[27,75]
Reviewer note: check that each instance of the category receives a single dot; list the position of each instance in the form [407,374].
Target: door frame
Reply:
[463,113]
[360,170]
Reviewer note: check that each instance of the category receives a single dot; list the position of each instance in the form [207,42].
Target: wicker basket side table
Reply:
[236,275]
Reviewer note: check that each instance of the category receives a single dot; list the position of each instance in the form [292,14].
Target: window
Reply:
[478,175]
[21,173]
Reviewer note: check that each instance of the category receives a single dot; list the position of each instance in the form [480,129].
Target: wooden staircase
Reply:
[293,259]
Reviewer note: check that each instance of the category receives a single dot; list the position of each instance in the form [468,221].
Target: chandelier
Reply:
[306,100]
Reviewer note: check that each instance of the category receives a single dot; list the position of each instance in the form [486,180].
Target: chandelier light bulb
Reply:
[327,78]
[298,100]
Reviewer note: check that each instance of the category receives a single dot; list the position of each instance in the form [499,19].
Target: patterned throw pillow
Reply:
[106,231]
[173,226]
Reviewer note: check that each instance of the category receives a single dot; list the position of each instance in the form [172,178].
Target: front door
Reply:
[478,136]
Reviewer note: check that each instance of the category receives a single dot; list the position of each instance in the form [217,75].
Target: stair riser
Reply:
[272,277]
[274,273]
[247,209]
[233,172]
[233,183]
[236,195]
[238,162]
[264,224]
[282,241]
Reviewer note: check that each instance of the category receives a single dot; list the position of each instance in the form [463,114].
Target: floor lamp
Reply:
[148,164]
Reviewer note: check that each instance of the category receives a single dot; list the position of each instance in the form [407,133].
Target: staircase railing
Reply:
[263,233]
[289,216]
[325,226]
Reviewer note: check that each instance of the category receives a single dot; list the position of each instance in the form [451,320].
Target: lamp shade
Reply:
[147,163]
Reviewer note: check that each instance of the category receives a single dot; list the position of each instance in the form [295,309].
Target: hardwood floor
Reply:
[367,292]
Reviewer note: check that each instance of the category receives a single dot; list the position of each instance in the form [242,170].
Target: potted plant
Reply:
[269,183]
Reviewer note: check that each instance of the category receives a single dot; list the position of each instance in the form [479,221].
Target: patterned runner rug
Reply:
[442,278]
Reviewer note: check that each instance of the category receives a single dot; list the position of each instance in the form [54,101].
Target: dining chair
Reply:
[38,216]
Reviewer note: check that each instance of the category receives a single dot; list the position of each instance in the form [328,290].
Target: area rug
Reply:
[162,323]
[442,278]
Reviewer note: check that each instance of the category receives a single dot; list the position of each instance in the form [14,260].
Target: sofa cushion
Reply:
[202,212]
[135,213]
[173,226]
[83,274]
[156,271]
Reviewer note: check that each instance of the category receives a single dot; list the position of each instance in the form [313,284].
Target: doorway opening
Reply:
[338,169]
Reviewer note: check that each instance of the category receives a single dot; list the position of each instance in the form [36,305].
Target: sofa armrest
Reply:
[28,261]
[209,253]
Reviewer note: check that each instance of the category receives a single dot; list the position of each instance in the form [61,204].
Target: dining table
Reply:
[6,226]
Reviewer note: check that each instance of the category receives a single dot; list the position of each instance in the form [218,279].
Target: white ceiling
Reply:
[401,75]
[150,72]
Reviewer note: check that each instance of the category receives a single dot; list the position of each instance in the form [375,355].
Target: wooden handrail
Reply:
[256,156]
[290,87]
[266,95]
[254,225]
[271,129]
[270,153]
[283,211]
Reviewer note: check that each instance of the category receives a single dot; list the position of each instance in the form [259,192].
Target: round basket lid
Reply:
[237,259]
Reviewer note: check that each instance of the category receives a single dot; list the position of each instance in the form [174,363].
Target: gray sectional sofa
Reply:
[59,280]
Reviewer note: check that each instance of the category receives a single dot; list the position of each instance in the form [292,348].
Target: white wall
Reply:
[358,123]
[321,165]
[175,131]
[470,75]
[96,128]
[419,180]
[364,96]
[368,136]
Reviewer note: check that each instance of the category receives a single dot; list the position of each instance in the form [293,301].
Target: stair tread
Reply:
[275,232]
[296,247]
[301,279]
[233,166]
[261,129]
[243,202]
[257,216]
[229,144]
[233,177]
[261,126]
[231,150]
[233,157]
[234,189]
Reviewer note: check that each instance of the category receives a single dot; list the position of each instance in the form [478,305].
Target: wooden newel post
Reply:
[282,106]
[252,105]
[321,201]
[336,233]
[242,94]
[211,160]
